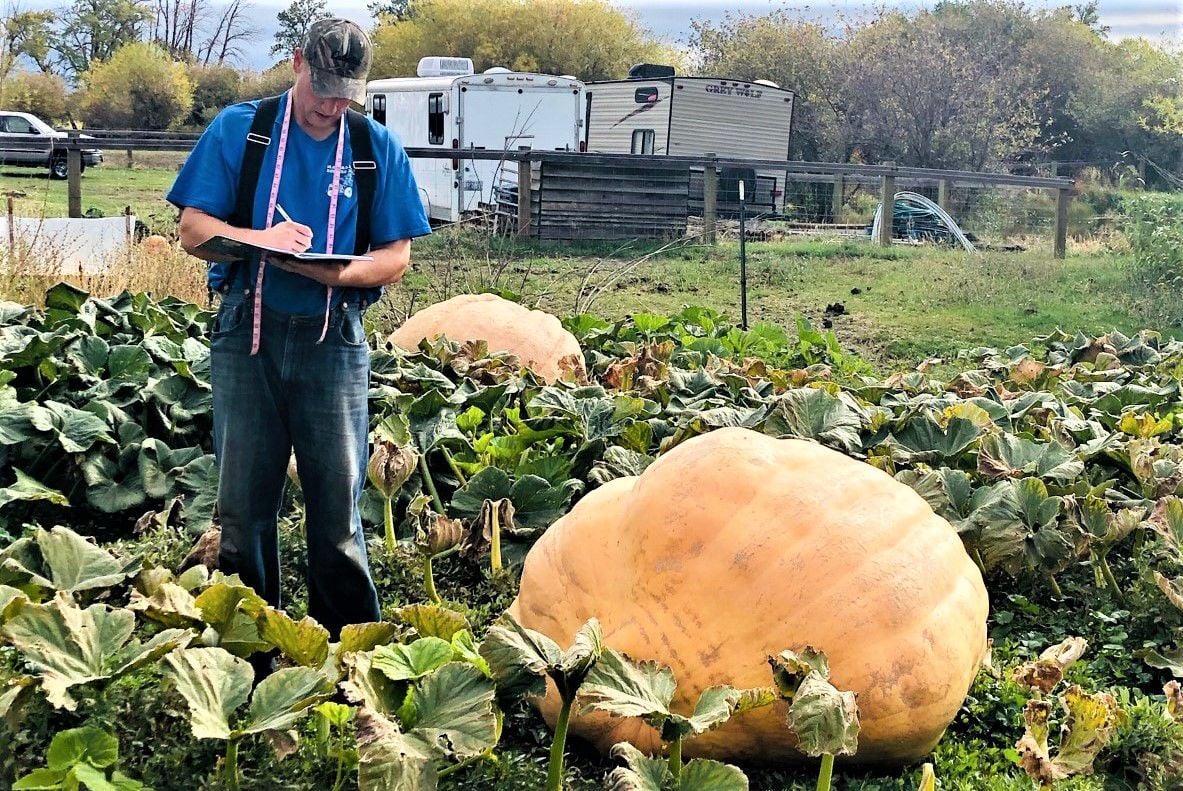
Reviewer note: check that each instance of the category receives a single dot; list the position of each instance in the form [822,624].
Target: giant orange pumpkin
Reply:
[533,336]
[734,546]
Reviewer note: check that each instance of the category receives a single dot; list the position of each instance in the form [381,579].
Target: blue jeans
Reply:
[296,395]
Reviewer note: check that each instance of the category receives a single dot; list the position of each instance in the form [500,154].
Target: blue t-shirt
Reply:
[209,181]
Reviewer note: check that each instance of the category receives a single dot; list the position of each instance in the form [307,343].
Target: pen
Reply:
[285,215]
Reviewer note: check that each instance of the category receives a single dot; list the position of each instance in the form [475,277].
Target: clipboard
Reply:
[225,247]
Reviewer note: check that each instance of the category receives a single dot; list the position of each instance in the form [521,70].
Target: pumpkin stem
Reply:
[388,520]
[1055,586]
[429,581]
[1110,580]
[495,550]
[676,760]
[554,773]
[231,769]
[455,467]
[429,482]
[826,773]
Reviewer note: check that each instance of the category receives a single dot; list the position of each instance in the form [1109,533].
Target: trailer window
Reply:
[642,141]
[378,111]
[435,119]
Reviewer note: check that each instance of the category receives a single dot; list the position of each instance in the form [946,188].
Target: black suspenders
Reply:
[365,176]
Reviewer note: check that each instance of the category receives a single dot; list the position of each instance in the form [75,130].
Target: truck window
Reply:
[642,141]
[435,119]
[379,109]
[19,126]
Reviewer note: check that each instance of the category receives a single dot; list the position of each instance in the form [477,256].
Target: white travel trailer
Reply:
[658,113]
[448,106]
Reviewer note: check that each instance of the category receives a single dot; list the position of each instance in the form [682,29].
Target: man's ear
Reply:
[297,59]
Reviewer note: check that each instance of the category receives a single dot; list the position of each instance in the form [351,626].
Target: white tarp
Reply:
[76,246]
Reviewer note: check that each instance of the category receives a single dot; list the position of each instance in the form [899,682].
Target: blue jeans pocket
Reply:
[350,329]
[230,317]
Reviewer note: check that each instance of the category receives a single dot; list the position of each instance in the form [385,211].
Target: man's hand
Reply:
[390,263]
[290,236]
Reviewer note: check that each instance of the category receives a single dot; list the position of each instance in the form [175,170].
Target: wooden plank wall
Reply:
[758,200]
[577,201]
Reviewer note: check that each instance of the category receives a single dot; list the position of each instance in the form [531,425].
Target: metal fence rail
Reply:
[887,176]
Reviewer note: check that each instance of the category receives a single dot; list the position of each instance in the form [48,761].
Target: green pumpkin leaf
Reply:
[640,772]
[83,745]
[702,774]
[75,430]
[305,642]
[455,710]
[926,441]
[285,697]
[71,646]
[622,688]
[406,662]
[214,683]
[392,761]
[370,687]
[812,413]
[824,719]
[29,489]
[41,780]
[366,636]
[1008,456]
[231,610]
[430,620]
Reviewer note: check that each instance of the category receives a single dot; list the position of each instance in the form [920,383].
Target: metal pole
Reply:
[743,263]
[710,194]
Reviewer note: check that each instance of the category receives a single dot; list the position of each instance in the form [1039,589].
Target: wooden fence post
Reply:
[943,194]
[1060,245]
[74,175]
[130,159]
[838,198]
[11,227]
[887,201]
[525,198]
[710,199]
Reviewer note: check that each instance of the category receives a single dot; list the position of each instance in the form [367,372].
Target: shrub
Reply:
[140,87]
[43,95]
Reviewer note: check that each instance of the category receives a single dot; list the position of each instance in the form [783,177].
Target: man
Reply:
[289,359]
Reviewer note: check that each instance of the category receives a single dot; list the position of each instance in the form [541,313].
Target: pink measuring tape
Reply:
[334,188]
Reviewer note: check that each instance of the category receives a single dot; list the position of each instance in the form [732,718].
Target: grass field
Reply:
[898,306]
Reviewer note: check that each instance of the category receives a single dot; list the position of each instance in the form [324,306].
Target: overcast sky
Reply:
[670,19]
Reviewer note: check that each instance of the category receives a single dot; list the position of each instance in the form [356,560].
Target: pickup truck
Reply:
[26,127]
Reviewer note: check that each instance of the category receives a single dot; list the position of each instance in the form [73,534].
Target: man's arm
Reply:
[390,263]
[197,226]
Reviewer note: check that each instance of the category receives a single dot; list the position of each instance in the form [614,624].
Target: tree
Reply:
[93,30]
[175,25]
[271,82]
[294,22]
[795,54]
[25,34]
[390,10]
[43,95]
[214,87]
[231,33]
[140,87]
[590,39]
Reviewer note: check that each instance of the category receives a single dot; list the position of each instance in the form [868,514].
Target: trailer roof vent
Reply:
[497,70]
[650,71]
[769,83]
[437,66]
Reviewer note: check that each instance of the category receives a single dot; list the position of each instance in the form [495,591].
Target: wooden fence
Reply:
[582,195]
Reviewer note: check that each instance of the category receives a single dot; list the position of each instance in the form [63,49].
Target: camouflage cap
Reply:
[339,55]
